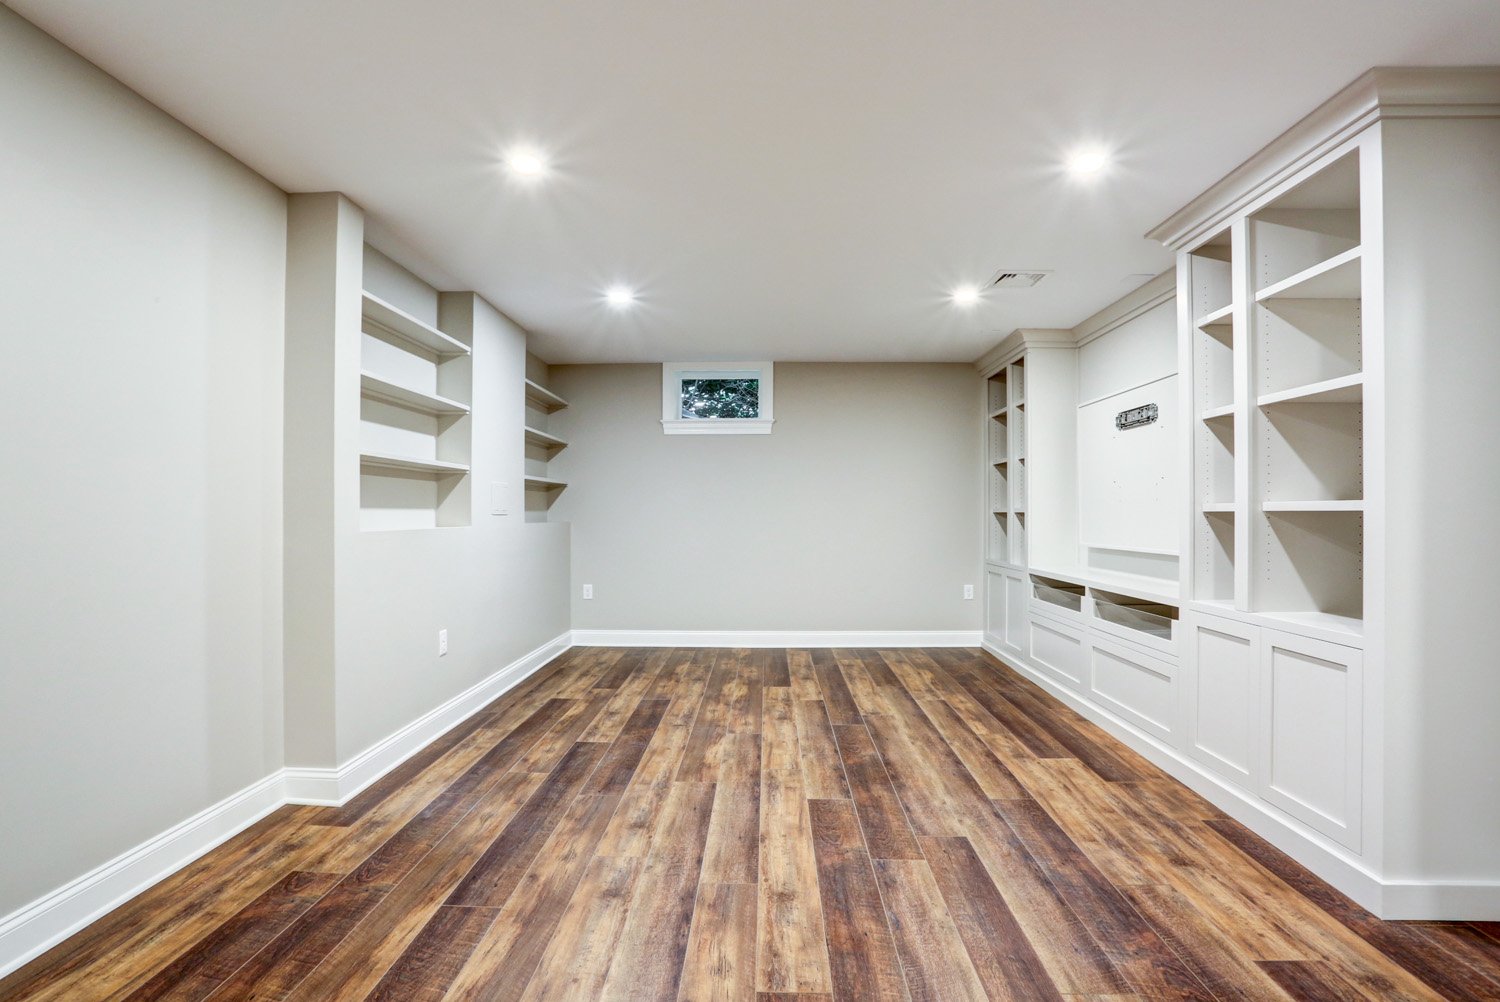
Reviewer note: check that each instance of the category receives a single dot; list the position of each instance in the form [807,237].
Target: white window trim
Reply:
[672,374]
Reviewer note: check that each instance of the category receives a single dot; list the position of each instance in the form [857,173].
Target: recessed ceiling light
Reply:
[526,162]
[1087,161]
[619,296]
[965,295]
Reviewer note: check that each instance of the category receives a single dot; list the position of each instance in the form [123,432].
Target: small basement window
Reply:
[721,398]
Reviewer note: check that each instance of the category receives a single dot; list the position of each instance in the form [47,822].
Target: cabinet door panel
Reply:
[1222,665]
[1312,713]
[1058,650]
[1016,597]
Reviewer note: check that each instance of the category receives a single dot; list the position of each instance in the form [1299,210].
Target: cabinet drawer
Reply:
[1135,685]
[1058,649]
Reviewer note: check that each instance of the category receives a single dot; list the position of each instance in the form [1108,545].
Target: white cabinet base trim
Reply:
[1390,900]
[35,928]
[777,638]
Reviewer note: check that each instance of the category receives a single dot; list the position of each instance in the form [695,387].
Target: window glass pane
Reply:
[720,398]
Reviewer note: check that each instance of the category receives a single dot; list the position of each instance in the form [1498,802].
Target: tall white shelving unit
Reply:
[541,487]
[1322,664]
[415,384]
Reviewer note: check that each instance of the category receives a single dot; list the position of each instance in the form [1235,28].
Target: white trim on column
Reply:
[776,638]
[332,787]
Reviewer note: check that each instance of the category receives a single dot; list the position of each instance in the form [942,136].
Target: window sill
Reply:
[718,426]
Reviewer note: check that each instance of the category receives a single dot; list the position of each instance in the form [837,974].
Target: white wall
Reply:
[140,392]
[861,511]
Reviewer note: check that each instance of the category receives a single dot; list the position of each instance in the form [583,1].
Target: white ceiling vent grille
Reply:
[1017,279]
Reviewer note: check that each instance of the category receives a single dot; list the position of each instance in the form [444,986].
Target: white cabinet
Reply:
[1221,659]
[1005,624]
[1281,716]
[1016,589]
[1312,723]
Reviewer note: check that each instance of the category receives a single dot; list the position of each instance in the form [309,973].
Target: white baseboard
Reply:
[776,638]
[1428,900]
[35,928]
[332,787]
[41,925]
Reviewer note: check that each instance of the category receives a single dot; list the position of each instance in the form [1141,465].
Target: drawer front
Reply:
[1134,685]
[1058,650]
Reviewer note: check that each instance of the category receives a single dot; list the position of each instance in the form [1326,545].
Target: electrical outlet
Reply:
[588,591]
[968,591]
[442,642]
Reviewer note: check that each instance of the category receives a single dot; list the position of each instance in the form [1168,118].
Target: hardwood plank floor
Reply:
[767,826]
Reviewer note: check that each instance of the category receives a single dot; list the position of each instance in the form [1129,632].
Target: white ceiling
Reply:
[788,179]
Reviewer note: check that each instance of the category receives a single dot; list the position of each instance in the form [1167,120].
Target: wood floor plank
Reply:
[837,698]
[196,973]
[648,961]
[577,958]
[631,740]
[803,677]
[1137,950]
[791,955]
[494,877]
[933,957]
[1402,945]
[1003,957]
[732,853]
[427,968]
[501,966]
[822,769]
[352,969]
[861,951]
[887,833]
[697,827]
[1309,980]
[720,961]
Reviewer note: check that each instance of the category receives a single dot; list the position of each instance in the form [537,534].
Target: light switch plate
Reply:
[498,502]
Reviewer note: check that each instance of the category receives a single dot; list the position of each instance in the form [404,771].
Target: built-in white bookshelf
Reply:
[415,382]
[541,446]
[1211,314]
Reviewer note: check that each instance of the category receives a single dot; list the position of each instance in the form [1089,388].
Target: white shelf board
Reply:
[1219,413]
[385,461]
[1218,318]
[535,436]
[1001,462]
[1218,508]
[1132,585]
[406,327]
[1343,390]
[998,413]
[1019,402]
[1326,622]
[999,511]
[1335,278]
[543,398]
[1312,506]
[544,483]
[377,388]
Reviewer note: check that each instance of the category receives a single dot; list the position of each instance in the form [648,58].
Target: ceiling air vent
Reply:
[1017,279]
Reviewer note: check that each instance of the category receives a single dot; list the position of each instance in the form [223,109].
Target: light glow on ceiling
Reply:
[965,295]
[619,296]
[525,162]
[1087,161]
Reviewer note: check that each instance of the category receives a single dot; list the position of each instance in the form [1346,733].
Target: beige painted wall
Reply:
[861,511]
[140,602]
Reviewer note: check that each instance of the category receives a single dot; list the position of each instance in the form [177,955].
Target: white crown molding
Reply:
[1385,92]
[35,928]
[1129,306]
[776,638]
[332,787]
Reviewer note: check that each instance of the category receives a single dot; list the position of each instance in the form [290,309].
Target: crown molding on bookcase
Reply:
[1385,92]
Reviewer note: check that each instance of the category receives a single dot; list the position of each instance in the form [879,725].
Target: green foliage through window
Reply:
[720,398]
